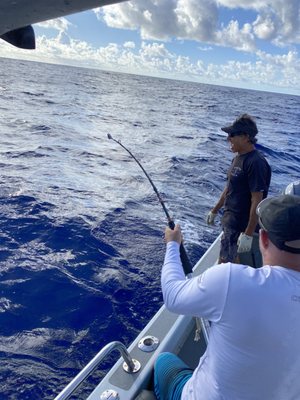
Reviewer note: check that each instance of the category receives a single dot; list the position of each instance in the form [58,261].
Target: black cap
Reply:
[242,125]
[280,217]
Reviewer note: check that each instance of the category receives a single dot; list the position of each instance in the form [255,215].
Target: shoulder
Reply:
[255,155]
[243,277]
[220,280]
[216,275]
[258,156]
[255,159]
[238,273]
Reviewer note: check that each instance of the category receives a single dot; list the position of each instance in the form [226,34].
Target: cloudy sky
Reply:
[245,43]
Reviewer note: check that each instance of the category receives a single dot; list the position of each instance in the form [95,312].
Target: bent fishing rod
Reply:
[186,264]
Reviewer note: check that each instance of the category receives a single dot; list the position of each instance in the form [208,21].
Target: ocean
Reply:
[81,229]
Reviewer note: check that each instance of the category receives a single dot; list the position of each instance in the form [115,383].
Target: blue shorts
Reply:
[170,376]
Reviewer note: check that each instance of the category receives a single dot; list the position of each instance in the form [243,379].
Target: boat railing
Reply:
[130,365]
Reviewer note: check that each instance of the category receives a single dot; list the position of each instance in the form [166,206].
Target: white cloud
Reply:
[164,19]
[183,19]
[59,24]
[233,36]
[286,65]
[63,38]
[155,50]
[197,19]
[129,45]
[264,27]
[279,17]
[278,20]
[154,18]
[205,48]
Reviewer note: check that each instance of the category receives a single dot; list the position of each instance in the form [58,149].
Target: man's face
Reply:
[238,143]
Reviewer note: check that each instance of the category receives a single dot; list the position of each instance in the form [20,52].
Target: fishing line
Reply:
[186,264]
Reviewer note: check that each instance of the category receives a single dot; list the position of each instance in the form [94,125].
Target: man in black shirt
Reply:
[248,183]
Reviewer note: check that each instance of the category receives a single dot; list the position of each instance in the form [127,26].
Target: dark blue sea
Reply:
[81,229]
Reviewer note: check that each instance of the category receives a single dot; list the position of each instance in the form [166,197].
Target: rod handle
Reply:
[185,261]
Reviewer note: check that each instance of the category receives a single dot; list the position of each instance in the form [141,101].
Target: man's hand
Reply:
[173,235]
[210,219]
[244,243]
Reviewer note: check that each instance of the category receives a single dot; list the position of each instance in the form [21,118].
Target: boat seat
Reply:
[146,395]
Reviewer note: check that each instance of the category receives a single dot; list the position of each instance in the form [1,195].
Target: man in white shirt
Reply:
[254,345]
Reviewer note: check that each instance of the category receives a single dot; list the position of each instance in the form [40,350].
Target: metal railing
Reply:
[93,364]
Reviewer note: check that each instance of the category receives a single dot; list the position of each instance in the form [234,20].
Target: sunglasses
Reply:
[231,135]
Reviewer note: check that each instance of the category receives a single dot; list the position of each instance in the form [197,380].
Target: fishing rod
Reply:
[186,264]
[201,323]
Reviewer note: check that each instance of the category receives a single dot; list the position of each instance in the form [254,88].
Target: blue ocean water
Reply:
[80,227]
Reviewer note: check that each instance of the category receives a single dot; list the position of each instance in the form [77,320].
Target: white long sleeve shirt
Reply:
[254,344]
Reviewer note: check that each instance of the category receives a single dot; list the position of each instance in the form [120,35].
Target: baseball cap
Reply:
[280,217]
[242,125]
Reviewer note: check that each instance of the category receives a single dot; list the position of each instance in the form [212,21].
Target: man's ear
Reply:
[264,238]
[248,138]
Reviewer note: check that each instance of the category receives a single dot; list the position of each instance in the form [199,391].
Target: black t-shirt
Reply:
[248,173]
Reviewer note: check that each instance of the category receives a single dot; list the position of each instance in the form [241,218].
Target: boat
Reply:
[131,377]
[16,17]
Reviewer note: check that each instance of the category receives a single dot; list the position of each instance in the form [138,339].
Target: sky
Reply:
[252,44]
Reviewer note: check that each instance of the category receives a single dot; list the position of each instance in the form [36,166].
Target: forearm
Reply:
[172,268]
[221,201]
[178,292]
